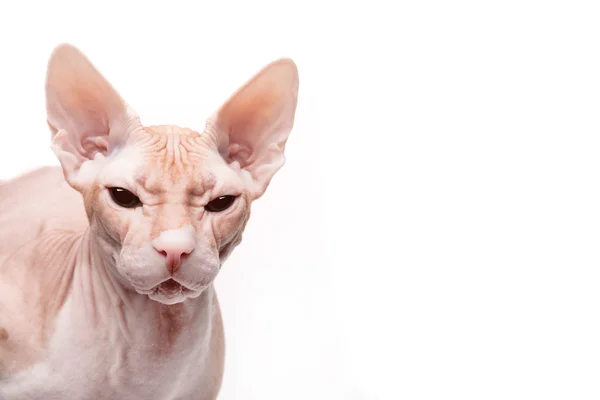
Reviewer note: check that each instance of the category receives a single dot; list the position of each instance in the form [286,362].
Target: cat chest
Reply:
[80,364]
[110,371]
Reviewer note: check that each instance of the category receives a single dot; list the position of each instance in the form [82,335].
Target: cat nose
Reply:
[173,255]
[174,245]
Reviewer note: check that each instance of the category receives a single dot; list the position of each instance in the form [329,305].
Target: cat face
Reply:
[167,205]
[169,210]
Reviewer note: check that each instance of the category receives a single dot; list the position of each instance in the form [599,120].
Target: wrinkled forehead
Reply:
[160,175]
[167,159]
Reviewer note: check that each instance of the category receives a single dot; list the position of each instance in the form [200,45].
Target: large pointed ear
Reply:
[252,127]
[87,117]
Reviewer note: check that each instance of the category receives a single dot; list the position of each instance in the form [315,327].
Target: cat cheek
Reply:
[229,227]
[114,224]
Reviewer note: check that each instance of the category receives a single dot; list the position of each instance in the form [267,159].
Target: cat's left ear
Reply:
[252,127]
[85,114]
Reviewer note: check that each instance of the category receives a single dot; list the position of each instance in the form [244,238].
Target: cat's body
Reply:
[137,348]
[105,292]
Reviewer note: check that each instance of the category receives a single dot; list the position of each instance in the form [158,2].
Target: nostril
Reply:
[174,253]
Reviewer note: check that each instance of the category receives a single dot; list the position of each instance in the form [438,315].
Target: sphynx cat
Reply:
[107,263]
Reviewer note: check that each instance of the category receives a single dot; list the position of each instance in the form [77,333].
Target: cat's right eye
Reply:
[124,197]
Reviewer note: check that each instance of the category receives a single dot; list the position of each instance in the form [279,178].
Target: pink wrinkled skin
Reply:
[102,301]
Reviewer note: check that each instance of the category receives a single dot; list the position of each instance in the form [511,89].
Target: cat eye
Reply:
[124,197]
[220,203]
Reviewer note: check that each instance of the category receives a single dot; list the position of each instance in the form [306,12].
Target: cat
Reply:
[107,262]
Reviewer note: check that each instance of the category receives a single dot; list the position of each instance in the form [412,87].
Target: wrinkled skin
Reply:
[104,299]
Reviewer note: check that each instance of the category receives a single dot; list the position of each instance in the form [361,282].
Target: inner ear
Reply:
[253,119]
[254,124]
[85,114]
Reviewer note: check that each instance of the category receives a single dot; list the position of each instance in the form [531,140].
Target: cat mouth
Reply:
[171,288]
[170,292]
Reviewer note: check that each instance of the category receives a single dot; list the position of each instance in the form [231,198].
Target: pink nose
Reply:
[175,244]
[173,255]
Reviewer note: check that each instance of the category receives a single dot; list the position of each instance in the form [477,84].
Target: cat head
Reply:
[166,204]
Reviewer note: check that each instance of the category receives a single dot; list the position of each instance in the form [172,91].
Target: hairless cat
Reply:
[107,263]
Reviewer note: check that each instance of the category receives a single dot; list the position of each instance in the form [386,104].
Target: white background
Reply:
[434,233]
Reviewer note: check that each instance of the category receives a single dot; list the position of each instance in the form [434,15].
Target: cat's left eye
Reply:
[220,204]
[124,197]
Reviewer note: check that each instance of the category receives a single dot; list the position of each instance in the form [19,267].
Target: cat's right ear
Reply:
[86,116]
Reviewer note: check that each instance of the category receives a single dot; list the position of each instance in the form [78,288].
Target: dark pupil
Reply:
[220,203]
[124,197]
